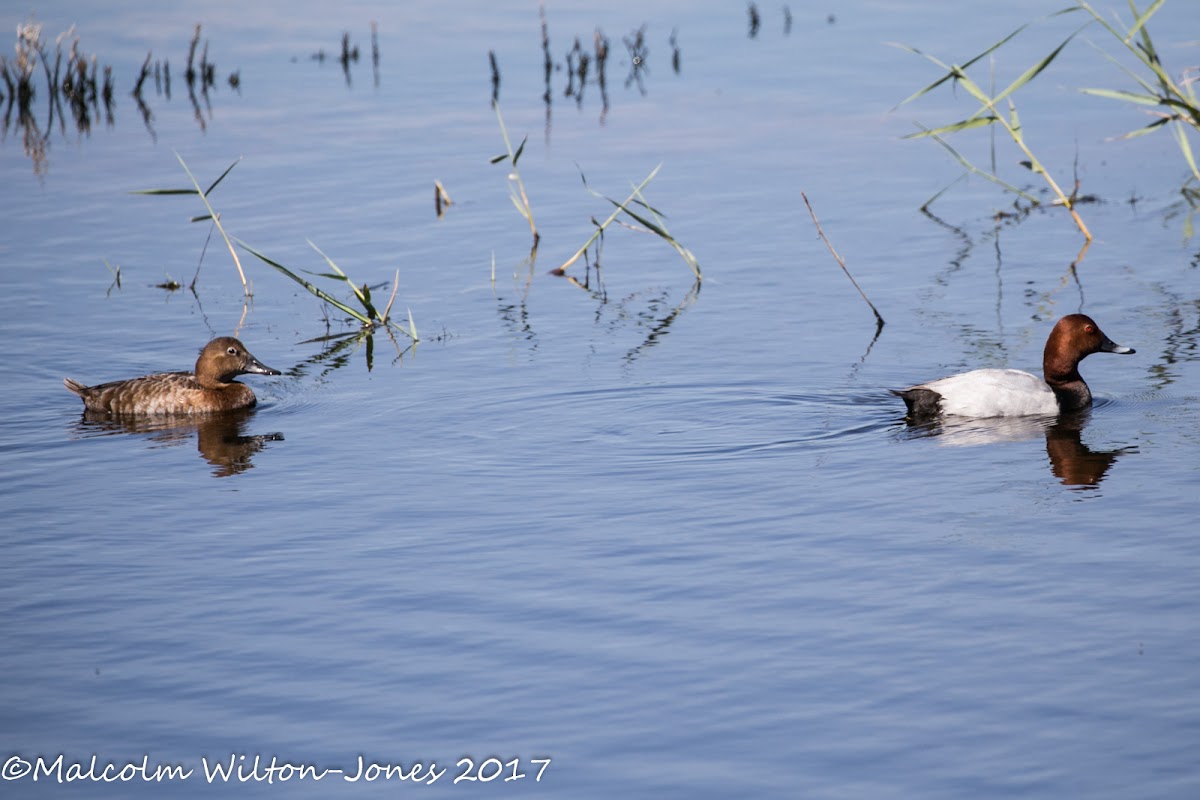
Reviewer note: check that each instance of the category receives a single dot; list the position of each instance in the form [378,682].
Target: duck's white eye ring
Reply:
[232,351]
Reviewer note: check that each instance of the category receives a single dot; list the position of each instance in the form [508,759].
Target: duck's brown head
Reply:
[225,358]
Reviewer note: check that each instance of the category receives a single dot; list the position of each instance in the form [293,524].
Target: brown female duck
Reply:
[209,389]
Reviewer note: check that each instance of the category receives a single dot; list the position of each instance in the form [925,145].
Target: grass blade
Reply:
[359,293]
[1128,97]
[1139,23]
[222,177]
[601,227]
[973,88]
[1186,148]
[516,186]
[1037,68]
[949,72]
[961,159]
[217,221]
[333,301]
[395,288]
[966,124]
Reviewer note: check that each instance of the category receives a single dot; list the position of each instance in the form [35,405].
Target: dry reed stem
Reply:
[841,262]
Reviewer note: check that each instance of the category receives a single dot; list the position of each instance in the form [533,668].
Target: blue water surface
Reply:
[618,533]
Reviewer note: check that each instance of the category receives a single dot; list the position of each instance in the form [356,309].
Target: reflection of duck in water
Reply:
[1013,393]
[1071,461]
[208,389]
[220,438]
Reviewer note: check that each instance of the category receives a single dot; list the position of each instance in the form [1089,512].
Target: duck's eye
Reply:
[1089,328]
[232,351]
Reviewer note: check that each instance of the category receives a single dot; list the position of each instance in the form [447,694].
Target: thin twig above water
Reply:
[842,263]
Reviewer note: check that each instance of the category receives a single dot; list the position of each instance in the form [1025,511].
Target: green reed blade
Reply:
[1129,97]
[1151,128]
[966,124]
[602,226]
[1186,148]
[517,193]
[972,88]
[1037,68]
[216,219]
[363,296]
[660,229]
[961,159]
[925,206]
[333,301]
[222,177]
[657,227]
[949,72]
[1140,20]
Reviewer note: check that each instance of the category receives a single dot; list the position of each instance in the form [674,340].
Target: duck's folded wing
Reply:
[149,394]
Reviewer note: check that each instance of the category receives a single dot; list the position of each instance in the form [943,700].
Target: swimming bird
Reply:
[208,389]
[1013,393]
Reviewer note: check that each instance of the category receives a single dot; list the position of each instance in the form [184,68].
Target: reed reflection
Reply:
[42,89]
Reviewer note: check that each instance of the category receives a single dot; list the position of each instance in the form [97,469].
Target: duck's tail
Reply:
[922,403]
[75,387]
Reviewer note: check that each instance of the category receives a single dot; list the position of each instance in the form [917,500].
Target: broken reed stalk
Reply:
[441,199]
[842,263]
